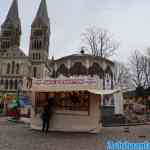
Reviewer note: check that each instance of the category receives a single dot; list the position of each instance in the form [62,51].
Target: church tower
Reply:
[39,40]
[10,29]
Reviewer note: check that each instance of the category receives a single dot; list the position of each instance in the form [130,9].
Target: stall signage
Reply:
[65,82]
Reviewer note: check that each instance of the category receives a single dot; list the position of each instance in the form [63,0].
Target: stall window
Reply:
[73,101]
[41,99]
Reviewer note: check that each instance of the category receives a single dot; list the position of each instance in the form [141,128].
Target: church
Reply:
[15,65]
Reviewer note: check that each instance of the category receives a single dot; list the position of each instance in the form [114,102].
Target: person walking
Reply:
[45,120]
[47,114]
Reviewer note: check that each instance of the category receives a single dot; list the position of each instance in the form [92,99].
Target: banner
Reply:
[65,82]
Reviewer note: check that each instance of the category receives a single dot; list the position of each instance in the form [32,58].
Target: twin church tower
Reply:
[15,65]
[11,56]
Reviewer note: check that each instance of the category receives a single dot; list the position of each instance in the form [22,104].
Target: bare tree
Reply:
[137,65]
[146,70]
[140,68]
[122,76]
[99,42]
[148,51]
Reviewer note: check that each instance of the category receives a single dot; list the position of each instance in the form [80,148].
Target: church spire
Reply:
[11,28]
[13,16]
[42,15]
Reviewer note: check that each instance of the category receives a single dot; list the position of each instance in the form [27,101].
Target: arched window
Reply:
[39,56]
[6,84]
[62,70]
[2,81]
[36,56]
[78,69]
[5,44]
[8,68]
[37,44]
[13,67]
[109,71]
[40,44]
[33,56]
[34,44]
[95,69]
[34,72]
[17,68]
[16,84]
[10,84]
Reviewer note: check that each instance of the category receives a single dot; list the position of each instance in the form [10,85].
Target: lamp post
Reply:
[19,88]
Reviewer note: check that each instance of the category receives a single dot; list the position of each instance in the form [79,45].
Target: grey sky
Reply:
[127,20]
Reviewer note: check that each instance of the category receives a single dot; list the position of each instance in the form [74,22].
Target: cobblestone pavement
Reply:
[21,137]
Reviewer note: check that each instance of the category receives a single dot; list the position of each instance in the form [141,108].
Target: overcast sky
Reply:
[127,20]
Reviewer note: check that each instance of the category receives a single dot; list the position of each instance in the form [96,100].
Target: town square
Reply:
[74,75]
[20,136]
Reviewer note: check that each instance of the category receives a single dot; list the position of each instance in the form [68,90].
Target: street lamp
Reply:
[19,88]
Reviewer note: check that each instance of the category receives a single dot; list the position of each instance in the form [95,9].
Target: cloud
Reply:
[128,20]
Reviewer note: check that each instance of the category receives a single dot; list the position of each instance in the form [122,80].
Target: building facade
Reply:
[15,65]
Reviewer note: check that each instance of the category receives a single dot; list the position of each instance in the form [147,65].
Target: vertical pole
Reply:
[18,107]
[146,108]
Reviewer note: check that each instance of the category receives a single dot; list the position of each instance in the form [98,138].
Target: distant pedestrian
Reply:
[45,119]
[47,114]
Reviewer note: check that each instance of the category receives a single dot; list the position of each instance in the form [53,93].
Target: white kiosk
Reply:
[78,104]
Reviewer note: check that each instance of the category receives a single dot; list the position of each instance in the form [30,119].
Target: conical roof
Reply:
[12,16]
[42,15]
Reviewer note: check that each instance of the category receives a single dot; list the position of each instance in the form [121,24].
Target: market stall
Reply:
[77,104]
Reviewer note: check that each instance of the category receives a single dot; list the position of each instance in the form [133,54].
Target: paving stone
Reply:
[20,137]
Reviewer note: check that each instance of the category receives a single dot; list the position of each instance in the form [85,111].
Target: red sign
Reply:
[66,81]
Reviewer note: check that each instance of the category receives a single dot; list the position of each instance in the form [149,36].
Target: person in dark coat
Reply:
[47,114]
[45,119]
